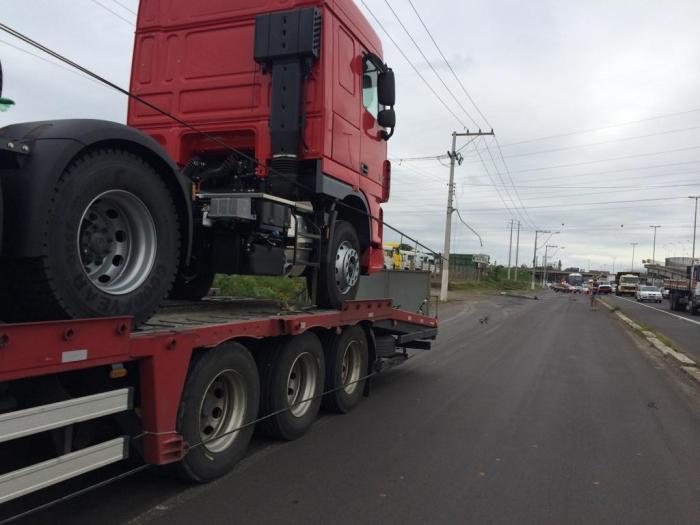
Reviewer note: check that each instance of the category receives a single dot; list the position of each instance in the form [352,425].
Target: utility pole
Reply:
[544,272]
[634,245]
[510,247]
[653,251]
[517,249]
[534,258]
[695,223]
[455,156]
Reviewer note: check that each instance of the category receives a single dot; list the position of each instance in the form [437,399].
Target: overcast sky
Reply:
[614,84]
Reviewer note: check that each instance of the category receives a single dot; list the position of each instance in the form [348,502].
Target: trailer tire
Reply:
[291,383]
[339,277]
[346,367]
[217,378]
[110,245]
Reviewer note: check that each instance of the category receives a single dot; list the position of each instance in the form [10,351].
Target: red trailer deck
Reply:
[152,368]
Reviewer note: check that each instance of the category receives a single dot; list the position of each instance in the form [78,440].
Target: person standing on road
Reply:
[594,293]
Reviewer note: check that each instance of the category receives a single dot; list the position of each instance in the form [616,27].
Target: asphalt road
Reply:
[546,412]
[681,328]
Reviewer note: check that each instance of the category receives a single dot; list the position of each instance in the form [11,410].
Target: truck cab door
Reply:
[372,146]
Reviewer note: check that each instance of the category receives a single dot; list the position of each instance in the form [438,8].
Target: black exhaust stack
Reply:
[287,43]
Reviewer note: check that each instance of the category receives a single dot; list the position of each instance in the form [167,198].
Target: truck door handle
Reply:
[364,168]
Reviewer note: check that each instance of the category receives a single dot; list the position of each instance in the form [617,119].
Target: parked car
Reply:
[648,293]
[665,293]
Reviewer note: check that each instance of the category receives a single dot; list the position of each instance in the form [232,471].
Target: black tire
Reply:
[193,283]
[346,367]
[56,285]
[345,247]
[291,409]
[228,363]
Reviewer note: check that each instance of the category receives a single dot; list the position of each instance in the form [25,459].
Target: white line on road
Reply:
[659,310]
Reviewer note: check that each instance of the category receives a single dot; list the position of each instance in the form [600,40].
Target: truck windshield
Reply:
[629,280]
[369,87]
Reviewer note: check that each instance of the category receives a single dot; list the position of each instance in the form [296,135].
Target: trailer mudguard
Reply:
[45,149]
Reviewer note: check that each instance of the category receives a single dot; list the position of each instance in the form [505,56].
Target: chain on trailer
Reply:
[193,446]
[209,136]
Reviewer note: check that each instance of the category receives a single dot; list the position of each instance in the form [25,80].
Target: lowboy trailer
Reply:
[188,388]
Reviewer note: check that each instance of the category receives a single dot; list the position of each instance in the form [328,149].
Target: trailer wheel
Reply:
[291,383]
[339,277]
[346,366]
[221,394]
[111,244]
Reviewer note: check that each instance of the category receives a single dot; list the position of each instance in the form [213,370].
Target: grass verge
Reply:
[283,289]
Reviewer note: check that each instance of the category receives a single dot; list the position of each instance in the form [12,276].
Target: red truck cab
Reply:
[293,84]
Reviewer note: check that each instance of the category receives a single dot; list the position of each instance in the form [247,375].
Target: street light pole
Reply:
[510,246]
[544,272]
[634,245]
[653,252]
[534,257]
[517,250]
[695,223]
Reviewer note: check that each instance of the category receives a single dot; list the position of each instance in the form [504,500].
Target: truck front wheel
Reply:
[111,244]
[339,276]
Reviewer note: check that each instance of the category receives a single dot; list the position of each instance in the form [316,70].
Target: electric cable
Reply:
[447,107]
[430,64]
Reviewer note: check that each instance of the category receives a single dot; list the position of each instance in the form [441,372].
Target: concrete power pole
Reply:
[634,245]
[455,156]
[517,249]
[510,246]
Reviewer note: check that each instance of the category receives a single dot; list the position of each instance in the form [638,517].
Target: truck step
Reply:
[42,475]
[21,423]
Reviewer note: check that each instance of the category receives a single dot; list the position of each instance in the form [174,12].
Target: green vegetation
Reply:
[496,280]
[283,289]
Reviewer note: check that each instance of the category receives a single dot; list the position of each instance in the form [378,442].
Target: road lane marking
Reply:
[659,310]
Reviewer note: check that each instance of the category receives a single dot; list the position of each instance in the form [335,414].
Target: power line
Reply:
[412,65]
[120,17]
[464,89]
[602,128]
[124,7]
[609,159]
[600,143]
[439,77]
[44,59]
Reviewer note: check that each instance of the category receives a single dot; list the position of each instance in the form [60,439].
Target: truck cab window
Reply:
[369,87]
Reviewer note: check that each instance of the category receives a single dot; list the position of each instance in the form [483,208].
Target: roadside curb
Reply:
[686,362]
[692,372]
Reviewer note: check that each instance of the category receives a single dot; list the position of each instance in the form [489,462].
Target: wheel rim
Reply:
[117,242]
[351,367]
[301,384]
[347,267]
[222,411]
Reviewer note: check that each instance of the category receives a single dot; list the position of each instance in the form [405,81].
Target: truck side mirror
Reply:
[386,88]
[387,119]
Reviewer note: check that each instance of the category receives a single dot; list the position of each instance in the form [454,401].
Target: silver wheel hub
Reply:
[347,267]
[351,367]
[222,411]
[117,242]
[301,384]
